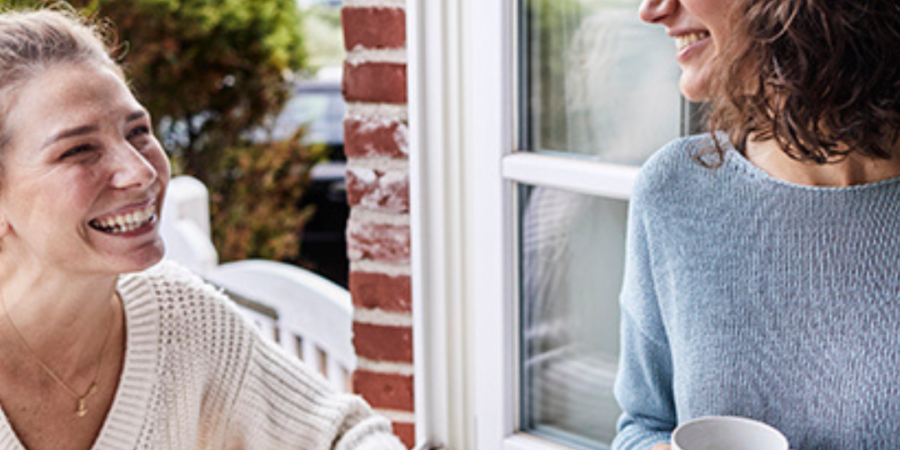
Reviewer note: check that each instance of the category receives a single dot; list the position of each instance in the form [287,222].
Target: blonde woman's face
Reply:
[699,28]
[84,177]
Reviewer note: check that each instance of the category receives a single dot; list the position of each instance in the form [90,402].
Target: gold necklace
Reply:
[80,399]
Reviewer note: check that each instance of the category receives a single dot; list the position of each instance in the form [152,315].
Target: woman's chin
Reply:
[142,258]
[695,89]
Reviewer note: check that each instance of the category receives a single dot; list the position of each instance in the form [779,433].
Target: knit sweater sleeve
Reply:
[283,404]
[644,383]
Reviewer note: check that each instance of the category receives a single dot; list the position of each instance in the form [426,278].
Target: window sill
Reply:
[522,441]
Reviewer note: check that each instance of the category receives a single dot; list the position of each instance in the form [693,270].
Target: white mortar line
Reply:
[380,163]
[379,267]
[382,317]
[389,111]
[374,4]
[367,216]
[384,367]
[361,55]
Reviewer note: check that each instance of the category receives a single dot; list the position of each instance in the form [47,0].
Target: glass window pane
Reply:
[595,81]
[572,249]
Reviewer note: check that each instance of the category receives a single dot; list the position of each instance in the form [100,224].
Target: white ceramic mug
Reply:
[727,433]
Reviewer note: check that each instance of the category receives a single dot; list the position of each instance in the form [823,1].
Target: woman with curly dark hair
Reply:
[763,269]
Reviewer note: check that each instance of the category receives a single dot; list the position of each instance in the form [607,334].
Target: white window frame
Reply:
[463,169]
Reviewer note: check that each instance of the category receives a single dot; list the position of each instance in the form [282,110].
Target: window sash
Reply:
[463,168]
[493,169]
[571,174]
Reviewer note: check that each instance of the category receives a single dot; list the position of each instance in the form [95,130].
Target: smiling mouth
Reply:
[123,223]
[686,40]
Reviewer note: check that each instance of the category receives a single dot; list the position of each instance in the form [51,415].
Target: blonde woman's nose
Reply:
[132,169]
[655,11]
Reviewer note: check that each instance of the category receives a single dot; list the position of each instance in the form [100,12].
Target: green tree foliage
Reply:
[208,71]
[256,213]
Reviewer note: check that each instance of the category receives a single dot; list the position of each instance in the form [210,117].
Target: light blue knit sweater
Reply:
[745,295]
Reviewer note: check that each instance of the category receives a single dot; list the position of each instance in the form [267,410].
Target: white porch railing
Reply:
[306,314]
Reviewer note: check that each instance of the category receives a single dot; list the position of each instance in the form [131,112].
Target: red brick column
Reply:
[378,235]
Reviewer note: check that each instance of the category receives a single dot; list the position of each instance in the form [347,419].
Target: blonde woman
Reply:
[103,347]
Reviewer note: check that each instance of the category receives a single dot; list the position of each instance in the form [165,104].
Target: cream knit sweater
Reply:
[197,376]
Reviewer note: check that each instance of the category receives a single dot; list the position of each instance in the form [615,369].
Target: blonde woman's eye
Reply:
[77,150]
[139,131]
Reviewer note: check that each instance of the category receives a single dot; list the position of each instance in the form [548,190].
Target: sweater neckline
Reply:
[738,161]
[124,421]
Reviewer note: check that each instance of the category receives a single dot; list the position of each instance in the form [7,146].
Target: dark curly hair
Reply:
[821,77]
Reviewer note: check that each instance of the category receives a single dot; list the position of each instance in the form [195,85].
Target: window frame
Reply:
[464,170]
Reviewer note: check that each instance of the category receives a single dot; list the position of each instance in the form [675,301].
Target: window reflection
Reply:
[572,246]
[597,81]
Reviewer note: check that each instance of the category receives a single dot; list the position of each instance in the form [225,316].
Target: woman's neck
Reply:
[61,317]
[855,169]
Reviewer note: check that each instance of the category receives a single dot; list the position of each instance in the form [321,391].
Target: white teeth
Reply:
[124,223]
[685,40]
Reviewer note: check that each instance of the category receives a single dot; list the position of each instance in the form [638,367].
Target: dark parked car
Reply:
[319,105]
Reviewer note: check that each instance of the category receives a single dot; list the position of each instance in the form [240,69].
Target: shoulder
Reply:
[167,273]
[674,164]
[170,282]
[677,173]
[192,312]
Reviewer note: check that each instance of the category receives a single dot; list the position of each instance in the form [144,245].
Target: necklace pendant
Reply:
[82,408]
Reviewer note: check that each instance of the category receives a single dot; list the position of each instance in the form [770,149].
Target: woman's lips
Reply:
[687,41]
[126,222]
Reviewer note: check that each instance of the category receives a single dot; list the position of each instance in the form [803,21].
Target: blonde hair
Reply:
[32,41]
